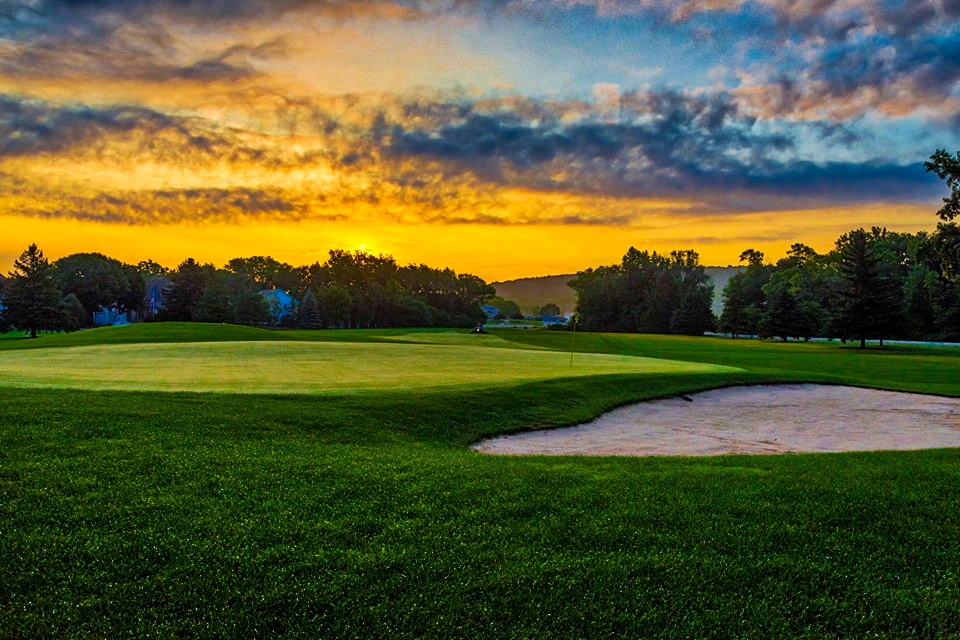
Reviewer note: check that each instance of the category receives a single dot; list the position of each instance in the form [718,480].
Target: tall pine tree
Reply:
[869,300]
[309,312]
[32,300]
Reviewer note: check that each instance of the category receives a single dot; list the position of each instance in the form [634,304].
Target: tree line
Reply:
[873,285]
[646,293]
[348,290]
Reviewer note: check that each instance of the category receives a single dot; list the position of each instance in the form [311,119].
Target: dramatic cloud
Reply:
[438,162]
[664,144]
[510,113]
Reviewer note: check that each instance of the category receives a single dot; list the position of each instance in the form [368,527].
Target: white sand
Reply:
[758,419]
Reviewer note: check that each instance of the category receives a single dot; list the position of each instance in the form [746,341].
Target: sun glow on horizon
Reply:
[493,252]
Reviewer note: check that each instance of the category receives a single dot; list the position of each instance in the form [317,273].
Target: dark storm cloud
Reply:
[664,144]
[125,134]
[73,13]
[33,127]
[174,206]
[846,182]
[497,138]
[448,160]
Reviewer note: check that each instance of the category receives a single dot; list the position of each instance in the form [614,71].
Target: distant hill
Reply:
[536,292]
[720,276]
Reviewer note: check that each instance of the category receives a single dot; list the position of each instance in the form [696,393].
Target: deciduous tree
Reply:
[98,281]
[187,284]
[646,293]
[947,168]
[549,309]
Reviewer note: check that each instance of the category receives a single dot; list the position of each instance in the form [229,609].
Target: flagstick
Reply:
[573,337]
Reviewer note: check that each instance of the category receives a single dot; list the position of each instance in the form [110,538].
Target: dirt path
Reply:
[758,419]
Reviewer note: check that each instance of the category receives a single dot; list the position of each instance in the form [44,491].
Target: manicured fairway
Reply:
[310,367]
[362,512]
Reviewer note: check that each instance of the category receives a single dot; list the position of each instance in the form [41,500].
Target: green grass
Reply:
[365,514]
[927,369]
[149,333]
[309,367]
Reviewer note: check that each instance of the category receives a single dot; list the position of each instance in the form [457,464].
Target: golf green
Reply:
[308,367]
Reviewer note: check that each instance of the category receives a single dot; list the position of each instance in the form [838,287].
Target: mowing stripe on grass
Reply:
[307,367]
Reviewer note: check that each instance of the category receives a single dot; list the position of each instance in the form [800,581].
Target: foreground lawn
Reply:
[365,515]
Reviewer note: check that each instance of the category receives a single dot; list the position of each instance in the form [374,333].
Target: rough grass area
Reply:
[309,367]
[146,514]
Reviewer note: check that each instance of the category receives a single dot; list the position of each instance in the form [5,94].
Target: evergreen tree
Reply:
[793,301]
[31,298]
[733,318]
[4,323]
[868,298]
[784,317]
[948,310]
[310,311]
[744,299]
[694,316]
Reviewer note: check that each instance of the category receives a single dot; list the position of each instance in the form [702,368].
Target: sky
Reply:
[503,138]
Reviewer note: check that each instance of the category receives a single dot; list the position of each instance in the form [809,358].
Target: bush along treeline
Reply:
[873,285]
[646,293]
[349,290]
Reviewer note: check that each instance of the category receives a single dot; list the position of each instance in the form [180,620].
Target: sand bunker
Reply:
[758,419]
